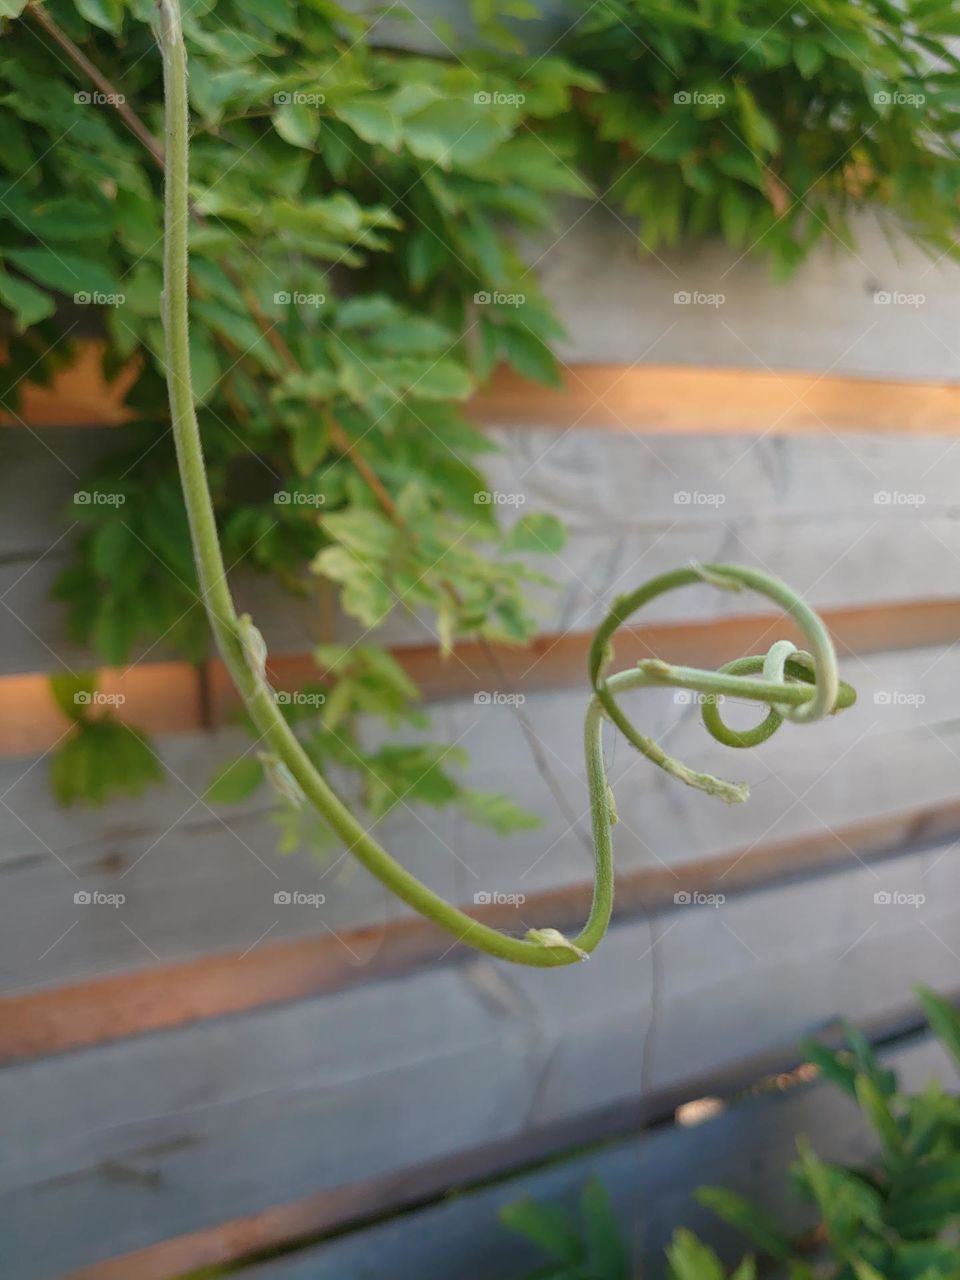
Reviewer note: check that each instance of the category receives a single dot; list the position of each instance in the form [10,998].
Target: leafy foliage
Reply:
[353,279]
[350,204]
[896,1219]
[767,123]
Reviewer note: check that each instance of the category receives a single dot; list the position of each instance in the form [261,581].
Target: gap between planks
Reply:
[171,697]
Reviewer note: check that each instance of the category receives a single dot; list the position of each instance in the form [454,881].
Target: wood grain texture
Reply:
[199,882]
[651,1180]
[112,1008]
[114,1148]
[166,697]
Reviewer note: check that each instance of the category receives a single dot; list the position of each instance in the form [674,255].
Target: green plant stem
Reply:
[235,637]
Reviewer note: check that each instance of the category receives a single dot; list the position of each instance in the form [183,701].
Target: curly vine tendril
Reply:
[795,686]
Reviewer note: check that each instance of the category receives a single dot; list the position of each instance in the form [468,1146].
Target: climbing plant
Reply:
[354,275]
[769,124]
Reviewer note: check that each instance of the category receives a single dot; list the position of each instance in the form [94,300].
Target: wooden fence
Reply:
[203,1075]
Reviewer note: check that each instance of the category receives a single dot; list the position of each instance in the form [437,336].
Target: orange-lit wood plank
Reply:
[681,399]
[649,398]
[166,697]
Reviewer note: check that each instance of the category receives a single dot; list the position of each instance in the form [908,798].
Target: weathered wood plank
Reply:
[805,508]
[198,882]
[117,1147]
[651,1181]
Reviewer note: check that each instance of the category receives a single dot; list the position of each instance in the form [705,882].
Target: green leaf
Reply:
[606,1248]
[690,1260]
[499,812]
[28,304]
[106,14]
[371,120]
[12,8]
[297,124]
[943,1018]
[547,1225]
[537,532]
[72,693]
[235,782]
[748,1218]
[64,272]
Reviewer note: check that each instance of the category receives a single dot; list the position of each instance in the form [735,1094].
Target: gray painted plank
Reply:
[804,507]
[115,1147]
[198,881]
[651,1181]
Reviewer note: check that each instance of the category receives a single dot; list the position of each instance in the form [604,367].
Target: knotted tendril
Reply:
[795,686]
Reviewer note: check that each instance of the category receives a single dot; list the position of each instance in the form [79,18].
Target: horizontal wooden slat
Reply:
[120,1146]
[651,1180]
[692,400]
[199,882]
[166,697]
[111,1008]
[650,398]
